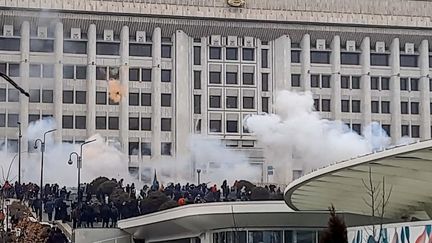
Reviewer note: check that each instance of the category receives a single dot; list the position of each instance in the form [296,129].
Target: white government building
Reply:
[200,67]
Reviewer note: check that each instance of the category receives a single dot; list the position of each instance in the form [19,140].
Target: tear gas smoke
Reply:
[116,90]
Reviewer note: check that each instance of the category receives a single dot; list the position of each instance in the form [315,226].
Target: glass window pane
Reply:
[14,70]
[68,71]
[134,99]
[68,97]
[106,48]
[197,55]
[231,102]
[101,98]
[39,45]
[100,122]
[166,51]
[265,82]
[166,100]
[166,75]
[265,104]
[67,122]
[215,125]
[133,123]
[145,148]
[215,78]
[35,71]
[248,102]
[80,122]
[325,81]
[146,75]
[231,78]
[320,57]
[81,72]
[113,123]
[166,124]
[264,58]
[34,96]
[75,47]
[101,73]
[13,95]
[350,58]
[248,79]
[133,148]
[47,96]
[197,79]
[295,56]
[197,104]
[9,44]
[3,95]
[379,59]
[231,53]
[232,126]
[145,99]
[408,60]
[166,148]
[215,101]
[13,120]
[146,124]
[215,53]
[140,50]
[80,97]
[134,74]
[248,54]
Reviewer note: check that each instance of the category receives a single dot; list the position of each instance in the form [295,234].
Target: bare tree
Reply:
[377,201]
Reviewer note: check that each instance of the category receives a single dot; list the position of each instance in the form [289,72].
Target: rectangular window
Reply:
[415,131]
[215,126]
[215,53]
[320,57]
[146,75]
[2,120]
[355,106]
[325,81]
[379,59]
[325,105]
[146,124]
[350,58]
[166,124]
[133,123]
[414,84]
[265,82]
[231,78]
[166,100]
[231,102]
[374,83]
[101,122]
[113,123]
[67,122]
[146,149]
[385,83]
[80,97]
[166,51]
[14,70]
[68,97]
[133,148]
[3,95]
[35,71]
[101,98]
[134,74]
[197,104]
[264,58]
[355,82]
[356,128]
[345,82]
[13,120]
[9,44]
[248,79]
[386,128]
[375,106]
[315,81]
[75,47]
[140,50]
[295,80]
[101,73]
[134,99]
[404,107]
[39,45]
[316,104]
[13,95]
[197,55]
[197,79]
[265,104]
[146,99]
[405,130]
[248,54]
[408,60]
[232,126]
[248,102]
[345,106]
[68,72]
[80,122]
[166,75]
[403,83]
[231,53]
[3,67]
[166,149]
[33,118]
[48,71]
[215,78]
[35,96]
[81,72]
[415,108]
[295,56]
[47,96]
[215,101]
[107,48]
[385,107]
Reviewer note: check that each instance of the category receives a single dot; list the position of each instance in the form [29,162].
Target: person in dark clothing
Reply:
[37,204]
[90,216]
[105,215]
[76,216]
[114,216]
[57,236]
[49,209]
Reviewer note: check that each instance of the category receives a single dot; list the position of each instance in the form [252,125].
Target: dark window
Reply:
[265,82]
[134,74]
[166,124]
[67,122]
[248,54]
[13,95]
[231,53]
[348,58]
[38,45]
[100,122]
[197,104]
[146,75]
[320,57]
[3,68]
[248,79]
[385,83]
[13,120]
[315,81]
[48,71]
[264,58]
[134,99]
[325,105]
[375,106]
[345,80]
[356,106]
[68,97]
[133,148]
[47,96]
[197,79]
[75,47]
[232,126]
[145,148]
[14,70]
[166,100]
[415,131]
[415,108]
[3,95]
[133,123]
[215,101]
[356,128]
[166,51]
[345,106]
[146,99]
[197,55]
[9,44]
[215,78]
[295,56]
[81,72]
[215,126]
[113,123]
[325,81]
[231,102]
[101,73]
[215,53]
[166,75]
[408,60]
[101,98]
[166,149]
[355,82]
[2,120]
[379,59]
[404,107]
[414,84]
[35,71]
[265,104]
[248,102]
[106,48]
[140,50]
[68,72]
[231,78]
[386,128]
[295,80]
[316,104]
[35,96]
[385,107]
[80,97]
[405,130]
[33,118]
[404,84]
[80,122]
[146,124]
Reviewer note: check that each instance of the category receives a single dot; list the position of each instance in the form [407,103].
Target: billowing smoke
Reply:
[116,90]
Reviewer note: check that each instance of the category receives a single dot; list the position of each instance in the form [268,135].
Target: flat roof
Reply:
[406,169]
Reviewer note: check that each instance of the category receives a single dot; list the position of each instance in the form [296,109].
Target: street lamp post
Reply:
[19,152]
[199,172]
[42,145]
[79,165]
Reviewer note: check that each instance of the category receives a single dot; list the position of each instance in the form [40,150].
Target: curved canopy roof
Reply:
[407,174]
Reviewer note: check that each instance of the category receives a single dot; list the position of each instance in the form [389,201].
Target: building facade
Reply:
[203,66]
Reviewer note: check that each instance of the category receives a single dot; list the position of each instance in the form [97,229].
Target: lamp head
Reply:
[70,162]
[198,171]
[35,146]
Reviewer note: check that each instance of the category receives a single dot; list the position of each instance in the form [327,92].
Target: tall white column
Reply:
[124,79]
[58,80]
[425,128]
[365,81]
[183,93]
[305,62]
[335,61]
[395,91]
[91,80]
[24,74]
[282,63]
[156,95]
